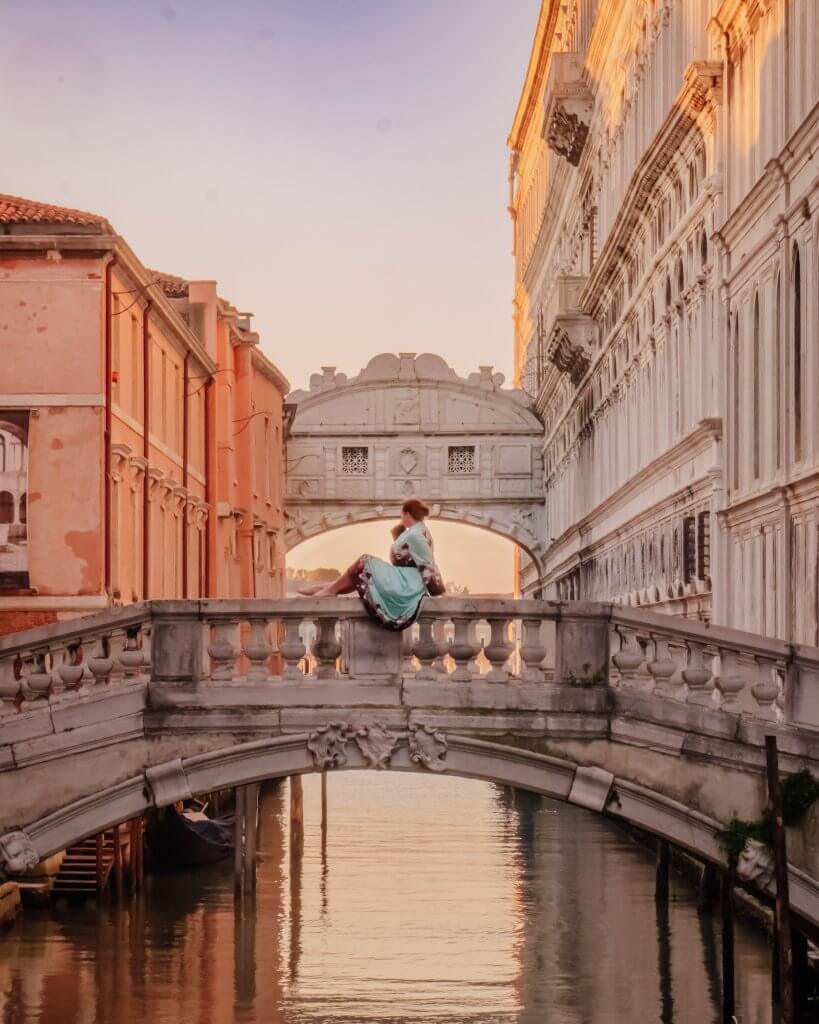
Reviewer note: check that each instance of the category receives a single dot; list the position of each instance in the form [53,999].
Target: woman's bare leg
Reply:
[345,584]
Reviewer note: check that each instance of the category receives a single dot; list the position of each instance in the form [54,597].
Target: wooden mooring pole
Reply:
[663,870]
[728,984]
[245,838]
[782,988]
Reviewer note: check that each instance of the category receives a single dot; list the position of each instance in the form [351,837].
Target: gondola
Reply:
[187,838]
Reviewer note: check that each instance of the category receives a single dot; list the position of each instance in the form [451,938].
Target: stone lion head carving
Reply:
[17,854]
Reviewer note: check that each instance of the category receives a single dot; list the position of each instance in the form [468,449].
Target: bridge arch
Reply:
[408,426]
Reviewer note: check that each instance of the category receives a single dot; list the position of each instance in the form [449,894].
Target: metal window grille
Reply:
[354,460]
[703,545]
[461,459]
[689,548]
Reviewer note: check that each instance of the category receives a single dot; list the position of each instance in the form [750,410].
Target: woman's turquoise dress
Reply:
[392,591]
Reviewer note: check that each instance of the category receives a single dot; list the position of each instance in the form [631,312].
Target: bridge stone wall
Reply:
[649,719]
[408,426]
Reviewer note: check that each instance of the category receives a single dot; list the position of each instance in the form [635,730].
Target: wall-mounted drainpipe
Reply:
[146,451]
[109,369]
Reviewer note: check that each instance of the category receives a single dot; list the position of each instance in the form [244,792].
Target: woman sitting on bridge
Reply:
[392,591]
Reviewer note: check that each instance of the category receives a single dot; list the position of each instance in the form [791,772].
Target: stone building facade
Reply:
[141,428]
[665,200]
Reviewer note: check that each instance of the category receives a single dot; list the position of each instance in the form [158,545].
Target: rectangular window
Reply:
[689,549]
[461,459]
[355,460]
[703,545]
[115,350]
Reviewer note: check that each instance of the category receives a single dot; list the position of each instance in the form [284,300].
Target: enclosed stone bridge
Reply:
[408,426]
[651,720]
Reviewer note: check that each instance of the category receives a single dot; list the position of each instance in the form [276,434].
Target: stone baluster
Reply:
[100,662]
[730,680]
[130,657]
[425,648]
[498,650]
[629,658]
[292,649]
[532,651]
[223,651]
[462,649]
[39,680]
[697,676]
[439,635]
[407,657]
[116,648]
[326,648]
[147,635]
[11,686]
[663,669]
[766,689]
[70,667]
[257,651]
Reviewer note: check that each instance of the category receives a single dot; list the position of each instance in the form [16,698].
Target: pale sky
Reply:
[338,166]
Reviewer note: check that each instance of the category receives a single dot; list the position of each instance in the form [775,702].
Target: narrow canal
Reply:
[434,900]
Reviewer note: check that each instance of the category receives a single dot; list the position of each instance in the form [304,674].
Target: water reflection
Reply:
[428,899]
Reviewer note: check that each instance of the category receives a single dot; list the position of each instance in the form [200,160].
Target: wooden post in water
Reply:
[296,803]
[118,863]
[728,986]
[708,889]
[662,871]
[99,848]
[239,841]
[133,832]
[801,971]
[251,833]
[782,990]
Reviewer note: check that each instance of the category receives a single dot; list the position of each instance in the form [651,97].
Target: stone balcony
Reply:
[567,332]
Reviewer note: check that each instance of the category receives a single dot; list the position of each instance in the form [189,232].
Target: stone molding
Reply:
[569,106]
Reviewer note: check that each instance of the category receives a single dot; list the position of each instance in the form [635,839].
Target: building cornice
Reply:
[529,101]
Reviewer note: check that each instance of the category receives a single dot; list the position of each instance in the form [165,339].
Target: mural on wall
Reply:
[13,500]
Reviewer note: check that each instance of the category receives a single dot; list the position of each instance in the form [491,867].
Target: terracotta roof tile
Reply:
[174,287]
[15,210]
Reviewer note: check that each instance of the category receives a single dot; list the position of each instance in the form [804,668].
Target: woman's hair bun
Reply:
[417,509]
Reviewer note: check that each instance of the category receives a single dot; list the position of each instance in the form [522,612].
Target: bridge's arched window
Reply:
[6,507]
[755,410]
[797,356]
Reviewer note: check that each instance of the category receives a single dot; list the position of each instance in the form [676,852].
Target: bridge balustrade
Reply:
[455,641]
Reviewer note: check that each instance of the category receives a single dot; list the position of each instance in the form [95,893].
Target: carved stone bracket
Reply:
[17,853]
[168,783]
[591,788]
[376,744]
[569,107]
[568,354]
[328,745]
[428,747]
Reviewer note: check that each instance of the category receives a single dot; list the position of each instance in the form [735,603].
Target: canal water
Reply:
[433,900]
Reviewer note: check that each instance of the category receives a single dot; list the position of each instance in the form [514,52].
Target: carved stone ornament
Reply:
[566,134]
[408,460]
[568,356]
[376,744]
[427,747]
[756,864]
[328,745]
[17,853]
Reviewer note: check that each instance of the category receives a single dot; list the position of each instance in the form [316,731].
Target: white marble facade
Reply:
[664,191]
[408,426]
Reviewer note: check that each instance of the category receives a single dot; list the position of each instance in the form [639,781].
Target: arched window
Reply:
[2,454]
[692,183]
[668,293]
[24,508]
[703,248]
[735,409]
[680,278]
[755,410]
[797,357]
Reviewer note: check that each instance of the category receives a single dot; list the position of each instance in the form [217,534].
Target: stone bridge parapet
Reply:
[650,719]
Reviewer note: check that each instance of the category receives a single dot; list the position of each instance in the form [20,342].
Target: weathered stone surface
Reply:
[590,788]
[89,737]
[168,783]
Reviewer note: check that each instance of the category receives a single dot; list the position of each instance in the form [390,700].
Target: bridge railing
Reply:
[456,641]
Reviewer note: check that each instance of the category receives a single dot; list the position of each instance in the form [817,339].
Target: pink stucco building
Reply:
[141,428]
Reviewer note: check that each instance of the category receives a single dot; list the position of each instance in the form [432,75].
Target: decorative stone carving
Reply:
[569,107]
[428,747]
[328,745]
[168,783]
[376,744]
[17,853]
[568,356]
[756,864]
[408,460]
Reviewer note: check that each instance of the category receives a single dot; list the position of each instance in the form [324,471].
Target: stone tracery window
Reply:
[355,460]
[461,459]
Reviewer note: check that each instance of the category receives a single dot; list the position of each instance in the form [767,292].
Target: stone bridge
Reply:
[408,426]
[651,720]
